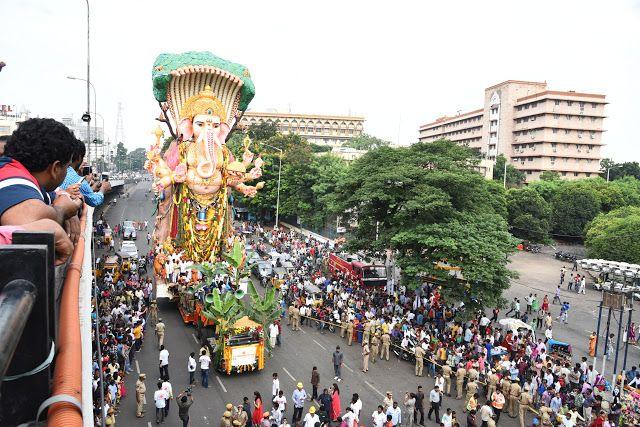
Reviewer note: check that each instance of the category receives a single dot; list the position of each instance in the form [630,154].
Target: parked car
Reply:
[129,248]
[263,271]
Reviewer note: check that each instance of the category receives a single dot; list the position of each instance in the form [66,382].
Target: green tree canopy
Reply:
[366,142]
[515,177]
[573,206]
[428,204]
[615,235]
[549,176]
[529,214]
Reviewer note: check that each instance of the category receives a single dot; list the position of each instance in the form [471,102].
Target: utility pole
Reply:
[88,86]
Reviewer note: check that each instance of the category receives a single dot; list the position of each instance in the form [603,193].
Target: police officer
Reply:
[160,327]
[446,374]
[350,327]
[141,389]
[375,347]
[460,374]
[386,342]
[514,396]
[419,352]
[525,402]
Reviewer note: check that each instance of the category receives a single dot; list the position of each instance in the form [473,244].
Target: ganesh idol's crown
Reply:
[197,81]
[203,103]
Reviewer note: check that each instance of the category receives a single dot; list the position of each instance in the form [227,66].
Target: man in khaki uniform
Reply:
[153,312]
[460,374]
[160,327]
[141,389]
[492,383]
[446,374]
[505,386]
[365,356]
[350,327]
[472,388]
[366,332]
[290,315]
[473,374]
[514,395]
[419,351]
[225,421]
[525,402]
[242,417]
[295,319]
[375,347]
[386,342]
[343,326]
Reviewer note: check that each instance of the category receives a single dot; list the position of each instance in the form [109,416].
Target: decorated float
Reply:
[202,98]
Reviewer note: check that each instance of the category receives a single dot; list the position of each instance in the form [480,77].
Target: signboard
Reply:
[243,355]
[613,300]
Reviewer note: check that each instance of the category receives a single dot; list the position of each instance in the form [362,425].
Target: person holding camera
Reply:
[93,192]
[184,401]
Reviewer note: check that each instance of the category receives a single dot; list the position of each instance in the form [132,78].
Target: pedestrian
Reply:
[337,365]
[419,406]
[164,362]
[336,405]
[356,406]
[525,401]
[275,386]
[375,346]
[160,399]
[148,239]
[273,334]
[225,421]
[191,368]
[563,271]
[246,407]
[141,389]
[281,401]
[460,375]
[365,356]
[184,402]
[419,353]
[160,327]
[446,374]
[592,344]
[447,418]
[395,413]
[315,381]
[486,414]
[205,361]
[435,398]
[153,313]
[410,407]
[386,342]
[258,409]
[497,402]
[379,417]
[168,388]
[556,298]
[311,418]
[298,398]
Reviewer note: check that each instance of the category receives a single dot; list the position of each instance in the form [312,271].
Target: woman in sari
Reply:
[592,344]
[258,408]
[335,402]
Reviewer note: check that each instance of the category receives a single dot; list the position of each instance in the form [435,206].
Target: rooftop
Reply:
[301,116]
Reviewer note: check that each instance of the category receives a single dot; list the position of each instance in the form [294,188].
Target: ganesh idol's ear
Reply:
[224,131]
[185,129]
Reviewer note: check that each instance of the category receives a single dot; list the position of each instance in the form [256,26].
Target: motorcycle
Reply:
[402,352]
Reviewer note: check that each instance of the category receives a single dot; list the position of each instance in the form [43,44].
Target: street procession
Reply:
[260,233]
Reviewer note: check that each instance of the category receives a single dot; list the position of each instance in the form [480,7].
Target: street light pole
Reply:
[279,174]
[88,82]
[95,112]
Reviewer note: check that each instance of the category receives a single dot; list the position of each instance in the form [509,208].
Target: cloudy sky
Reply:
[399,64]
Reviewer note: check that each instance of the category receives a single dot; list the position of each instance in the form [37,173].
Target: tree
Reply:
[515,177]
[120,159]
[366,142]
[615,235]
[137,158]
[619,170]
[573,207]
[428,204]
[262,131]
[529,214]
[549,176]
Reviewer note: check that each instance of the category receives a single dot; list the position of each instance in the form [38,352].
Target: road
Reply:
[302,350]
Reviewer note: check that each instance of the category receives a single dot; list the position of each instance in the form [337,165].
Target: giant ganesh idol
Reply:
[202,97]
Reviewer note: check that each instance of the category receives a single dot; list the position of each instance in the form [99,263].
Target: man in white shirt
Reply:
[191,368]
[447,418]
[435,397]
[205,361]
[275,386]
[273,335]
[311,418]
[168,389]
[379,417]
[281,400]
[164,362]
[160,398]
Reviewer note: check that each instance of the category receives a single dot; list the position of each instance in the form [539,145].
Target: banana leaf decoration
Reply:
[263,310]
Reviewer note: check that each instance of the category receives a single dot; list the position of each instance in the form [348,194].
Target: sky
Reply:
[399,64]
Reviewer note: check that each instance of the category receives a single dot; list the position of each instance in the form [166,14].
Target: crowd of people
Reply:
[510,369]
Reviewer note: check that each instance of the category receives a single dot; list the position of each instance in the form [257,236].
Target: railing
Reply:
[39,318]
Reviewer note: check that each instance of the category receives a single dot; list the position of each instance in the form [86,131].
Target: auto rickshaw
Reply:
[108,236]
[110,264]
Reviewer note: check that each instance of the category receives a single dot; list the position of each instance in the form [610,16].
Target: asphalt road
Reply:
[302,350]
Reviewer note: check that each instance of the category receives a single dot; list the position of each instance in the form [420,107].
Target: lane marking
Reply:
[289,373]
[221,385]
[373,388]
[137,367]
[195,339]
[321,346]
[302,330]
[347,366]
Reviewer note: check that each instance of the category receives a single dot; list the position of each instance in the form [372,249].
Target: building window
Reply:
[588,174]
[555,130]
[556,116]
[581,104]
[530,159]
[593,105]
[568,117]
[593,119]
[518,108]
[557,101]
[564,174]
[575,174]
[567,131]
[533,118]
[579,134]
[592,135]
[528,172]
[534,104]
[569,103]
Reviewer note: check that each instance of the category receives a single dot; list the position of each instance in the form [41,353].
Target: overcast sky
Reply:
[399,64]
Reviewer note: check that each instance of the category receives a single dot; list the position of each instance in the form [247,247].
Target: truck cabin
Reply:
[371,275]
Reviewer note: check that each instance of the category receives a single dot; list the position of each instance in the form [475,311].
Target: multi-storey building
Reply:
[536,129]
[317,129]
[95,150]
[10,119]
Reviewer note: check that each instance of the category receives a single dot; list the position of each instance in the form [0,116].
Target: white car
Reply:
[129,248]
